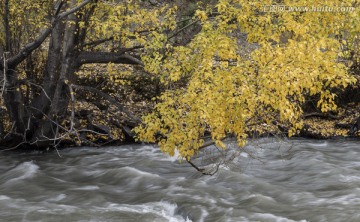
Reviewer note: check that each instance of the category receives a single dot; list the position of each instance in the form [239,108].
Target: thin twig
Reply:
[5,70]
[201,170]
[183,28]
[72,117]
[37,85]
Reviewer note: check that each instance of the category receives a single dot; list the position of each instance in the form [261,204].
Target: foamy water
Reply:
[302,180]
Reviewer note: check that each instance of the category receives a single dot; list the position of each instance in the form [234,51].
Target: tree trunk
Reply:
[54,100]
[38,122]
[13,100]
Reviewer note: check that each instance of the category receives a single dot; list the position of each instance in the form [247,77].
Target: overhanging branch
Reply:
[202,170]
[106,57]
[110,99]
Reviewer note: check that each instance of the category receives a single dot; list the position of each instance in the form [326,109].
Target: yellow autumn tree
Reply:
[211,85]
[299,49]
[47,47]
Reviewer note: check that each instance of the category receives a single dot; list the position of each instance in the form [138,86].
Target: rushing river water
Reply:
[302,180]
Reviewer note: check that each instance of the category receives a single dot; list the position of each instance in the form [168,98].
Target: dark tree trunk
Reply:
[38,122]
[7,27]
[41,104]
[54,100]
[14,101]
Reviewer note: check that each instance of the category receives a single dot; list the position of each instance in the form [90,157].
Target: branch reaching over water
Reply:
[202,170]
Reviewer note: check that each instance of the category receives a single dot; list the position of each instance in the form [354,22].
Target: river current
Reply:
[269,180]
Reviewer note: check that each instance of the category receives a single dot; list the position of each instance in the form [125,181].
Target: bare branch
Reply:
[72,107]
[58,6]
[183,28]
[106,57]
[110,99]
[98,42]
[210,142]
[37,85]
[66,13]
[7,26]
[4,77]
[202,170]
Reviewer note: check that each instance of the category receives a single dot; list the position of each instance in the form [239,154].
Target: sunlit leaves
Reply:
[227,94]
[129,23]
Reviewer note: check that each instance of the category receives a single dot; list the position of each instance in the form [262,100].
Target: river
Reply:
[296,180]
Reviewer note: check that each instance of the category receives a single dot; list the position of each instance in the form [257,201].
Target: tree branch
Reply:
[70,11]
[86,17]
[7,26]
[183,28]
[110,99]
[4,75]
[209,143]
[106,57]
[58,7]
[202,170]
[30,47]
[72,117]
[98,42]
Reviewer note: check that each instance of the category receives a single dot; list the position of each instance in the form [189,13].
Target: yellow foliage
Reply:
[226,93]
[126,22]
[24,16]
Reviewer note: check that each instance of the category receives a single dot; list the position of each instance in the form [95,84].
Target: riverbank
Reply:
[106,122]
